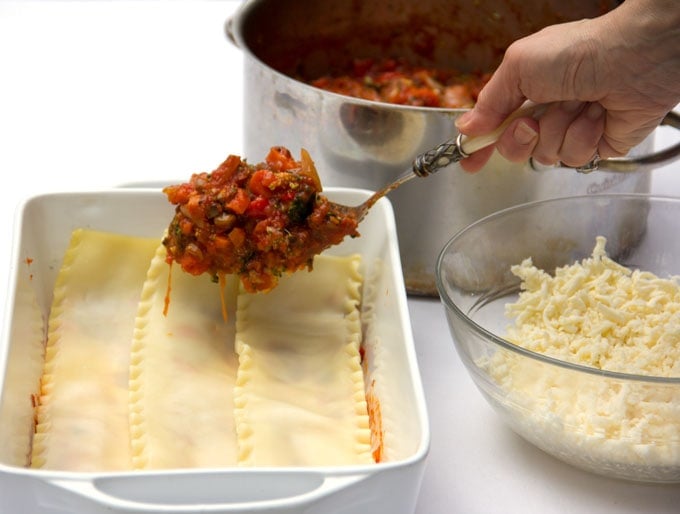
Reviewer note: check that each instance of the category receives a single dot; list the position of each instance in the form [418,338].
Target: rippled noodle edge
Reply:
[138,423]
[243,375]
[353,312]
[51,349]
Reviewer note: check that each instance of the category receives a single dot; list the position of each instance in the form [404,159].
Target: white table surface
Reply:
[98,93]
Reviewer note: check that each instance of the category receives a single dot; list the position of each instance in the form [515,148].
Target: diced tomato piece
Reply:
[280,158]
[258,207]
[240,202]
[192,265]
[186,226]
[195,207]
[424,96]
[221,243]
[179,194]
[389,76]
[225,170]
[237,236]
[261,183]
[288,196]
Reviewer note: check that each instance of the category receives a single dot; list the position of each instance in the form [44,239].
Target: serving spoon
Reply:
[449,152]
[462,146]
[207,235]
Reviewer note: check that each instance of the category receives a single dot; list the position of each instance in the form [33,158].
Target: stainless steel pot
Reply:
[366,144]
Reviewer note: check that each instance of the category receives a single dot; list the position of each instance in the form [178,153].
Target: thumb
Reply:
[496,101]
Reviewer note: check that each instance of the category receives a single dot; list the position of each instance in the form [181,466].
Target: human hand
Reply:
[608,83]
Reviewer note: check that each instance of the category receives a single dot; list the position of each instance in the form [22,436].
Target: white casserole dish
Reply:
[42,231]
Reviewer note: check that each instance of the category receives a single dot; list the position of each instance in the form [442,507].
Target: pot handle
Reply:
[232,20]
[631,164]
[229,31]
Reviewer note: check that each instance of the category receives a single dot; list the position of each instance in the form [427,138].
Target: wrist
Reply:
[643,38]
[650,26]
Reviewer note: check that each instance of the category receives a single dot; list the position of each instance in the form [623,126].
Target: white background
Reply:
[99,93]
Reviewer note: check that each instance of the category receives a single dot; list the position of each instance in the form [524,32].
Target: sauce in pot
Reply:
[395,82]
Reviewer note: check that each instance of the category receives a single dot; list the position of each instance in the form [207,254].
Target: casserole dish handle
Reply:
[236,492]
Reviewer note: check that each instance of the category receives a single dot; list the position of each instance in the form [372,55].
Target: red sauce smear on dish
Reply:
[256,221]
[396,82]
[376,424]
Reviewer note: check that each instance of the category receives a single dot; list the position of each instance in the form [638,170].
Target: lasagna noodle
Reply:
[299,396]
[23,368]
[82,416]
[183,370]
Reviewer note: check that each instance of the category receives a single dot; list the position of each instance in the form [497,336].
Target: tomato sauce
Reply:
[256,221]
[375,423]
[396,82]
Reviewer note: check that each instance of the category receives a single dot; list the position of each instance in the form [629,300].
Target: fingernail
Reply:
[463,119]
[595,110]
[524,134]
[571,106]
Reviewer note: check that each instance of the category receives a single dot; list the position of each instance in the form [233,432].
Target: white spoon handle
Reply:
[462,146]
[470,145]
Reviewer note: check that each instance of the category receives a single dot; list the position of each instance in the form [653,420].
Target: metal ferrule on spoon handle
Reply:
[463,146]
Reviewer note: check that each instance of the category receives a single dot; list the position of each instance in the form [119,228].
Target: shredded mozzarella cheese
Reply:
[600,314]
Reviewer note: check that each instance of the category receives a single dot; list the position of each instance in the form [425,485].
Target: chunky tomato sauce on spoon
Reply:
[256,221]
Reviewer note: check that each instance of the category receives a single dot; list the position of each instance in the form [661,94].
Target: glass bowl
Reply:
[615,424]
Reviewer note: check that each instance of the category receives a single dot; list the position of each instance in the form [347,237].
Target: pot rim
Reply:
[234,31]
